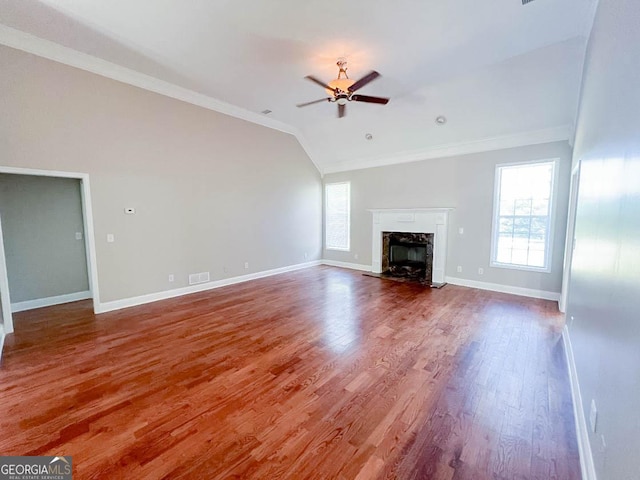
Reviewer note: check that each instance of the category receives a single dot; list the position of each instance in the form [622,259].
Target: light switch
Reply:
[110,238]
[461,230]
[78,235]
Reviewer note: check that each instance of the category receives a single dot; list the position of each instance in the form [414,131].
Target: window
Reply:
[522,216]
[337,213]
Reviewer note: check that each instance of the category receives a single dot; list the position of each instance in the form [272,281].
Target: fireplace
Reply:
[408,256]
[432,222]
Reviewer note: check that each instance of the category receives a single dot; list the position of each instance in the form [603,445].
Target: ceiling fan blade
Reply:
[342,111]
[369,77]
[311,103]
[368,99]
[320,82]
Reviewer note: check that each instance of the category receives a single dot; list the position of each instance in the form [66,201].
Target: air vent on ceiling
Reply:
[524,2]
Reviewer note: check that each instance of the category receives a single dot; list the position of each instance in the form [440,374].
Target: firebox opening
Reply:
[408,256]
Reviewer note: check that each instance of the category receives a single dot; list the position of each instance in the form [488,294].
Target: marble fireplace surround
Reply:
[413,220]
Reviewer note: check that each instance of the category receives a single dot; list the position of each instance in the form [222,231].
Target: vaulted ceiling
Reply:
[501,72]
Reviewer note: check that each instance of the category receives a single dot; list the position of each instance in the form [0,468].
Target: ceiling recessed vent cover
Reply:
[524,2]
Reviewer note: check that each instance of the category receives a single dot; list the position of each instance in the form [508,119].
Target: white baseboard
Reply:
[49,301]
[352,266]
[496,287]
[582,430]
[178,292]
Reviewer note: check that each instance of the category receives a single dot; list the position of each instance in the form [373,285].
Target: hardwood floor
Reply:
[322,373]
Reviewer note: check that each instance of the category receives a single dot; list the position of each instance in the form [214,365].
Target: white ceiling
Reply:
[494,68]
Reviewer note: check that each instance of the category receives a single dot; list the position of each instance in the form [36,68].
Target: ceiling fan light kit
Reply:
[342,89]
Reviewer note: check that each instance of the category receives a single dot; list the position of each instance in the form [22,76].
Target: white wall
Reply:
[40,218]
[604,294]
[211,192]
[465,183]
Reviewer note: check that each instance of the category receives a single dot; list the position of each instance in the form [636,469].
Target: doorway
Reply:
[570,239]
[84,235]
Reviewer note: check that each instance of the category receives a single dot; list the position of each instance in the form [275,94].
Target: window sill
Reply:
[510,266]
[338,249]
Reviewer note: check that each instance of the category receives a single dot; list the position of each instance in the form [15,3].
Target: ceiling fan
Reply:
[343,89]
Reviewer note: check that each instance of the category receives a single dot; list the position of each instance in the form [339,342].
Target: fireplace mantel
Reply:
[413,220]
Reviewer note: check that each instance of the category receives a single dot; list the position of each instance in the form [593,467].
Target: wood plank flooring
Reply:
[322,374]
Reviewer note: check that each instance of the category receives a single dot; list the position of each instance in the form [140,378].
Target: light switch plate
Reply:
[110,238]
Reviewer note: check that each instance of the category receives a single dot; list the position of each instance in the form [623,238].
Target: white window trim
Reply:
[339,249]
[552,218]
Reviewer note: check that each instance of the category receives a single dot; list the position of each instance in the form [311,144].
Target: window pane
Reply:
[506,225]
[507,207]
[523,206]
[337,210]
[540,207]
[523,209]
[503,253]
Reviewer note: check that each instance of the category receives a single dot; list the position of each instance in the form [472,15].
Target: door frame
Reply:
[7,317]
[570,240]
[87,216]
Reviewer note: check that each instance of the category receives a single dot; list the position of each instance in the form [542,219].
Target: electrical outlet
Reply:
[246,265]
[306,255]
[356,256]
[459,269]
[78,235]
[224,269]
[593,416]
[461,230]
[171,277]
[481,271]
[110,238]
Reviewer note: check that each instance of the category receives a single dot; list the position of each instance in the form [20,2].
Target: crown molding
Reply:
[53,51]
[535,137]
[58,53]
[40,47]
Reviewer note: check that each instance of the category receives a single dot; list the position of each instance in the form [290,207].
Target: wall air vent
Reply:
[198,278]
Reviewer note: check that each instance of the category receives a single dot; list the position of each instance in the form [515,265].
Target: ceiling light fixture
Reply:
[368,136]
[343,82]
[441,120]
[342,89]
